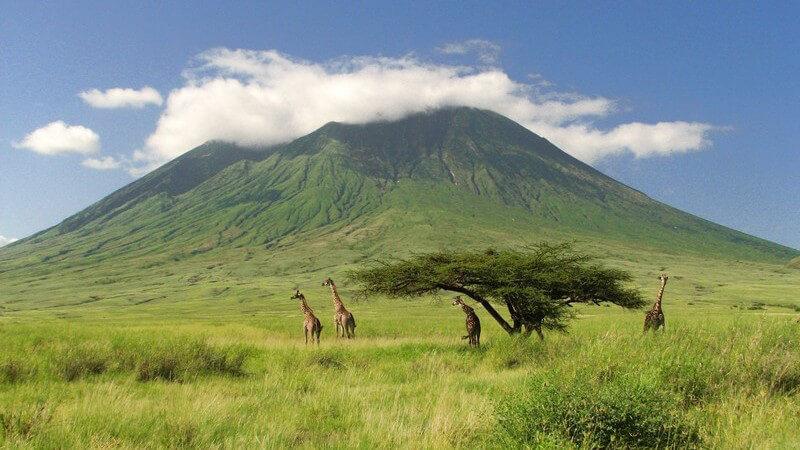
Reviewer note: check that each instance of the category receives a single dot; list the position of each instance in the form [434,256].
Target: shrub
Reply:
[621,412]
[12,371]
[79,362]
[177,361]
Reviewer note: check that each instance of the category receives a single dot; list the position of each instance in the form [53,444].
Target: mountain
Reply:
[450,177]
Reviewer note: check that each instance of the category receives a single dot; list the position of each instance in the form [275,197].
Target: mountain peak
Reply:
[430,177]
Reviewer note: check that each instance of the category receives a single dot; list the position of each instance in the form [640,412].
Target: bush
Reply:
[12,371]
[179,360]
[79,362]
[622,412]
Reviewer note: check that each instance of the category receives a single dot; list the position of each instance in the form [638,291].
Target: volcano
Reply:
[454,177]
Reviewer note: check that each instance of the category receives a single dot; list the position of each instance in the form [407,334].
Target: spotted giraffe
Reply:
[473,323]
[342,318]
[311,325]
[655,317]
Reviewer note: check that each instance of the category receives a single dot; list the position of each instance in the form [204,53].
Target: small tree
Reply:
[537,285]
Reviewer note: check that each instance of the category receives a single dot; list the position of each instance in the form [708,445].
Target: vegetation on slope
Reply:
[454,178]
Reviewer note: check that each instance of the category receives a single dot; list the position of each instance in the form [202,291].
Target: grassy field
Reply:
[160,316]
[216,361]
[730,380]
[207,351]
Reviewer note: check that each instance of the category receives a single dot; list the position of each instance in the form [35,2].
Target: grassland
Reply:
[160,316]
[732,378]
[213,360]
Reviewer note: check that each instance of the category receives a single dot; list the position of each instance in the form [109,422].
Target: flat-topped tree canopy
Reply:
[537,284]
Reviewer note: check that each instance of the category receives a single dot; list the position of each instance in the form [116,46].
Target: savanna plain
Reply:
[209,353]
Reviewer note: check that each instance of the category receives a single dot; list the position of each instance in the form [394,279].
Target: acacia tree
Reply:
[537,285]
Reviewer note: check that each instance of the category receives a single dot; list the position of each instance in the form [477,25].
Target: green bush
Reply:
[12,371]
[622,412]
[79,362]
[180,360]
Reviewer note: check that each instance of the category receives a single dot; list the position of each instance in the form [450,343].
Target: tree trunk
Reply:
[486,305]
[537,327]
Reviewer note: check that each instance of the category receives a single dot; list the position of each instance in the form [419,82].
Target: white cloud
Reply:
[122,98]
[488,52]
[5,241]
[104,163]
[641,139]
[58,137]
[265,97]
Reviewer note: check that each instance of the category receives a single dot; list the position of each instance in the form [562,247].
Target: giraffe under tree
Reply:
[473,323]
[655,317]
[342,318]
[311,325]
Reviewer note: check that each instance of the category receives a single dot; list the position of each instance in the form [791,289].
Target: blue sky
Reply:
[695,105]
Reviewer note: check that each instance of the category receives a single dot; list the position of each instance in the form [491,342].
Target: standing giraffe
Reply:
[655,317]
[473,323]
[342,318]
[311,325]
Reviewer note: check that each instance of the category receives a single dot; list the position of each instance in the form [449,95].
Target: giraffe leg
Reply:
[305,332]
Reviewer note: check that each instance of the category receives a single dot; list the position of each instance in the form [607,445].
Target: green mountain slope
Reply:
[343,193]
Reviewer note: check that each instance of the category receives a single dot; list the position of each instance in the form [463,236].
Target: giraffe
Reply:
[473,323]
[311,325]
[342,318]
[655,317]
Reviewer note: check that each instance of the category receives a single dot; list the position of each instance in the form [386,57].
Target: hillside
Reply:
[452,177]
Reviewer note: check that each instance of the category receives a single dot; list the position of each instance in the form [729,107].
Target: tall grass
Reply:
[717,382]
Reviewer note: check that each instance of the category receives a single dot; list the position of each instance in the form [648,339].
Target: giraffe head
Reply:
[663,278]
[327,282]
[457,301]
[298,296]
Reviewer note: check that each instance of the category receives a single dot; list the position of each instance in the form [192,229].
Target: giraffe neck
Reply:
[337,301]
[467,309]
[307,311]
[661,293]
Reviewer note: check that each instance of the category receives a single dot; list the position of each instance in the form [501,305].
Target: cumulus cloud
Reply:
[104,163]
[122,98]
[5,241]
[641,139]
[58,137]
[488,52]
[265,97]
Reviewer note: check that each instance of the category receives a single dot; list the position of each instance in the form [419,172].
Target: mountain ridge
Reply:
[346,174]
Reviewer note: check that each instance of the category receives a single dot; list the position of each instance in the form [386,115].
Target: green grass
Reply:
[208,351]
[727,378]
